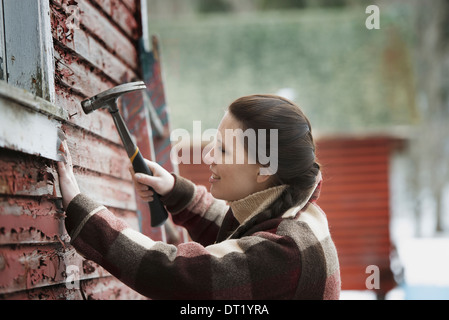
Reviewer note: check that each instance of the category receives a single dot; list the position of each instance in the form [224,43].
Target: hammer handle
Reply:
[158,212]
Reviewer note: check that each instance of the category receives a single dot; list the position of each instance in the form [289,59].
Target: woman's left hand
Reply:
[67,182]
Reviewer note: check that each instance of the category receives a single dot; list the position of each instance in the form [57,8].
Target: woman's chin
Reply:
[213,191]
[216,193]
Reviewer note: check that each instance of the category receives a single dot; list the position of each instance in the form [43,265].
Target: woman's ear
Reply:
[261,177]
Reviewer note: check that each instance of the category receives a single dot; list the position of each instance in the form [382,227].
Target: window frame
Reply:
[26,45]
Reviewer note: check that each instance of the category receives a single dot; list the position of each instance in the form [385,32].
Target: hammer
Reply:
[108,100]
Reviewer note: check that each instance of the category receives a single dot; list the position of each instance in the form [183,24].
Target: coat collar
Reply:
[248,207]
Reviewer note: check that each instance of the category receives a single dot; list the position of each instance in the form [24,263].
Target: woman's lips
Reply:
[214,178]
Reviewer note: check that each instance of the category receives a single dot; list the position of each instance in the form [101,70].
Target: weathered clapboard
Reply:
[79,48]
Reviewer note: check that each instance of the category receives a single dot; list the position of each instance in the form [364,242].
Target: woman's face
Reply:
[231,179]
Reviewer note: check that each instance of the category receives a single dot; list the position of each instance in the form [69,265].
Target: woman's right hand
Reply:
[162,181]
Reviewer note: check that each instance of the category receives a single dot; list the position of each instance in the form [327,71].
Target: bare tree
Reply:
[430,146]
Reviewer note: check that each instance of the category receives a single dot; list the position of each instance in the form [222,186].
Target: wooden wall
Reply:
[34,250]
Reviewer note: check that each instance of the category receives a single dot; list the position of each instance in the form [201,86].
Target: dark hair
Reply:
[297,164]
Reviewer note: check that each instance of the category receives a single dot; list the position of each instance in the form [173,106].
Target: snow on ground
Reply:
[426,261]
[426,271]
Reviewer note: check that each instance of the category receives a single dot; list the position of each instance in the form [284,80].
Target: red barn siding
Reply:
[34,247]
[356,199]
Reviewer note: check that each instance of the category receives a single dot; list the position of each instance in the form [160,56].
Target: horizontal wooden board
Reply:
[108,288]
[352,250]
[30,176]
[51,292]
[41,134]
[99,122]
[361,262]
[31,101]
[336,148]
[31,220]
[344,178]
[336,159]
[132,5]
[29,267]
[338,203]
[355,170]
[28,220]
[97,40]
[44,273]
[79,76]
[365,221]
[121,15]
[103,288]
[97,154]
[373,233]
[26,175]
[107,190]
[347,239]
[356,188]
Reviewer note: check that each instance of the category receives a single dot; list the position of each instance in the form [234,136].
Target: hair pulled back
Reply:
[297,165]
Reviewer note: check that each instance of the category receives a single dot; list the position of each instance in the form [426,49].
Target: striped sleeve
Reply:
[194,208]
[261,266]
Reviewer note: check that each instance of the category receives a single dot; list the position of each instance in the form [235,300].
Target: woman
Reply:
[267,240]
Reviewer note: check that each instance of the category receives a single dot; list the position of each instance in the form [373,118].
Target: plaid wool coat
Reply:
[292,257]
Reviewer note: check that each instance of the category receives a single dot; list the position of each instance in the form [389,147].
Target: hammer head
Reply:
[107,99]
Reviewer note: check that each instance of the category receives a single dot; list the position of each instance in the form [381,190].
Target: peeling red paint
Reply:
[33,267]
[35,249]
[30,220]
[2,263]
[24,175]
[88,267]
[58,18]
[30,267]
